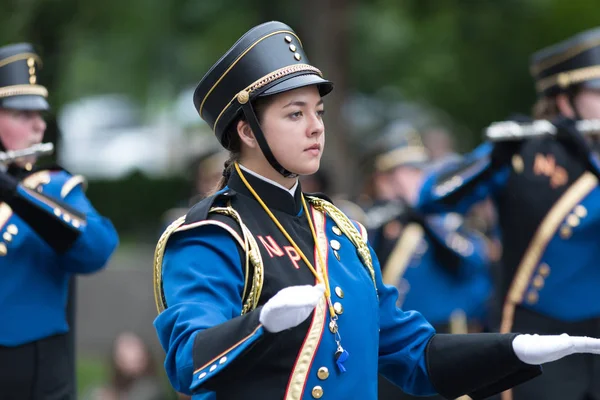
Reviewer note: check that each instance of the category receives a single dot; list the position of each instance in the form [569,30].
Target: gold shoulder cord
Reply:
[348,229]
[253,259]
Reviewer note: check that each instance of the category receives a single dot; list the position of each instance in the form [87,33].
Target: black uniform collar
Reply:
[274,197]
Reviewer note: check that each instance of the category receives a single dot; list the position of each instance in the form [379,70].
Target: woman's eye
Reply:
[296,114]
[321,113]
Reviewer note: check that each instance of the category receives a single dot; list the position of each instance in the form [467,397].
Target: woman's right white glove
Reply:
[290,307]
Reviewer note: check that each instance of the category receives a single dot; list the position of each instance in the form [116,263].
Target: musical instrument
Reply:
[510,130]
[40,149]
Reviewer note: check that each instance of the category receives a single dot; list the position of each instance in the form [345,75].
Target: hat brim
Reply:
[299,81]
[25,102]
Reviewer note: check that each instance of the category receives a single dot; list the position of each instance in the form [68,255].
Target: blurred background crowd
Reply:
[121,75]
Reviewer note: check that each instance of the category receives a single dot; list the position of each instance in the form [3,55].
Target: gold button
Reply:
[7,236]
[202,375]
[213,368]
[565,232]
[30,62]
[288,39]
[339,292]
[297,56]
[32,79]
[573,220]
[292,48]
[538,282]
[223,360]
[57,212]
[581,211]
[337,231]
[3,249]
[317,392]
[517,163]
[29,166]
[335,244]
[336,254]
[544,270]
[333,327]
[12,229]
[337,307]
[323,373]
[32,71]
[67,218]
[76,223]
[532,297]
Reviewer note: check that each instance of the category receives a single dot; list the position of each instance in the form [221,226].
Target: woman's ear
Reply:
[246,135]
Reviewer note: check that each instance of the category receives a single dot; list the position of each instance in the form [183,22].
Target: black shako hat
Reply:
[19,88]
[574,62]
[266,60]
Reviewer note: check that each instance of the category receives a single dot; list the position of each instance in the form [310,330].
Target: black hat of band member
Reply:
[572,63]
[399,145]
[19,88]
[266,60]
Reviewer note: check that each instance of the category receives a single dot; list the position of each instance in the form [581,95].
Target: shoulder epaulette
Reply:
[320,195]
[357,238]
[215,210]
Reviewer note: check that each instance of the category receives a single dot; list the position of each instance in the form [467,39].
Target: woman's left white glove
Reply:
[540,349]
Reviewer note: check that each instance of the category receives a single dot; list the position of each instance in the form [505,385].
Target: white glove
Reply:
[536,349]
[290,307]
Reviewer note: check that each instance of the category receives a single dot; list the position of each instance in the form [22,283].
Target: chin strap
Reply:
[262,142]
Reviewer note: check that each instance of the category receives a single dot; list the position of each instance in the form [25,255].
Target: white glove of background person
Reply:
[536,349]
[290,307]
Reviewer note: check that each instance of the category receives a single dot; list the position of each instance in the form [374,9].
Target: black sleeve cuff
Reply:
[479,365]
[56,223]
[234,347]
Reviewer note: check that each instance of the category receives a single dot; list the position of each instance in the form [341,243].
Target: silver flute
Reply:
[40,149]
[510,130]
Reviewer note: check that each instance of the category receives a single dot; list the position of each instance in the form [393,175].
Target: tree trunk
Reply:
[325,35]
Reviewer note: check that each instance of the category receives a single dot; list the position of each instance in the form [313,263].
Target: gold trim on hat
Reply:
[558,58]
[244,95]
[237,60]
[401,156]
[567,78]
[20,56]
[17,90]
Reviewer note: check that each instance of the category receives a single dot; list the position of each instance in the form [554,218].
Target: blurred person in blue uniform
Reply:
[50,232]
[439,266]
[546,193]
[266,292]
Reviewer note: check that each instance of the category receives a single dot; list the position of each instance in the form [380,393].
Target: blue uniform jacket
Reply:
[49,232]
[549,218]
[439,267]
[203,282]
[216,267]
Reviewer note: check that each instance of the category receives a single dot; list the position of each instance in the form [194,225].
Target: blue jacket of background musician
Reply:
[557,275]
[447,271]
[34,284]
[203,281]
